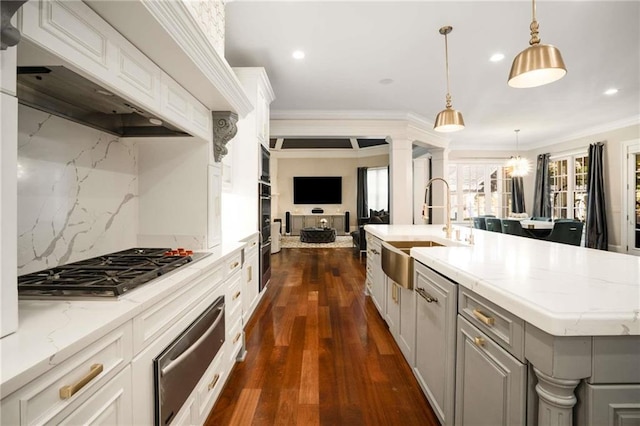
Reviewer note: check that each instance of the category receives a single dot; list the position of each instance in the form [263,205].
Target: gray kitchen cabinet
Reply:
[608,405]
[491,385]
[435,345]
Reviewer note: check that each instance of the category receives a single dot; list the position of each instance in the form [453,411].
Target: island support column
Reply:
[559,363]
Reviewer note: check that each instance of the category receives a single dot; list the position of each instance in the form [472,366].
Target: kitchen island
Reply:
[567,316]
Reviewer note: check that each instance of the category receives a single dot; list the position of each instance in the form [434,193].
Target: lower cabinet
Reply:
[608,405]
[490,383]
[377,289]
[435,348]
[401,318]
[110,405]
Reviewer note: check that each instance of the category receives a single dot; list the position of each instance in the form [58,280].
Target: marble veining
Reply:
[559,288]
[77,192]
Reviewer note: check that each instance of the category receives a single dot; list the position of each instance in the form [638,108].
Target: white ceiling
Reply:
[351,46]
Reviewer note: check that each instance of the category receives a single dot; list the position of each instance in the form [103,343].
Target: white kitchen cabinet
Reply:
[435,348]
[377,289]
[86,42]
[8,211]
[259,91]
[214,205]
[392,306]
[110,405]
[8,60]
[400,316]
[42,401]
[490,383]
[250,277]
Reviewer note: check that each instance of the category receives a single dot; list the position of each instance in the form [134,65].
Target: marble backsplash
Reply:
[77,191]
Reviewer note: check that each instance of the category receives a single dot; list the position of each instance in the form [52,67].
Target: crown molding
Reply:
[614,125]
[331,153]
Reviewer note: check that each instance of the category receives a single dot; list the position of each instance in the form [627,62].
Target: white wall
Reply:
[613,155]
[287,168]
[77,192]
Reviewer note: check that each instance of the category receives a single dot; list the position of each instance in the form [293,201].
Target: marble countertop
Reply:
[49,331]
[561,289]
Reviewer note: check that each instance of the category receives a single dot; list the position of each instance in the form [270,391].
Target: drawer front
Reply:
[503,327]
[110,405]
[616,359]
[155,320]
[235,335]
[71,383]
[252,247]
[209,388]
[232,264]
[233,303]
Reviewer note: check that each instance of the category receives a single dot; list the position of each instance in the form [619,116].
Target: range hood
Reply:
[62,92]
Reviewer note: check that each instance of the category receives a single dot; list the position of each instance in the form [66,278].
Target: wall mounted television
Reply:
[317,190]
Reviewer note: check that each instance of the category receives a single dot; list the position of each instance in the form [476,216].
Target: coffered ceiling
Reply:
[386,58]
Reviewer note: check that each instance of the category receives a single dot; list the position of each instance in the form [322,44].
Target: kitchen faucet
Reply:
[447,206]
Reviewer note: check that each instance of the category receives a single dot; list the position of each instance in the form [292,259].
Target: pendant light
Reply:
[538,64]
[519,166]
[448,120]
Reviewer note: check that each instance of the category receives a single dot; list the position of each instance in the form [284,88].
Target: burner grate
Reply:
[109,275]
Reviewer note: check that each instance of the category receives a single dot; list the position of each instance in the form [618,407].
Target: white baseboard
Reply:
[617,249]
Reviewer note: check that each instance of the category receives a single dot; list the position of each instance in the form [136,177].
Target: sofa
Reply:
[359,236]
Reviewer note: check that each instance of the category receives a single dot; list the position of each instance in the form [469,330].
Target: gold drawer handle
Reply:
[479,341]
[490,321]
[249,274]
[253,244]
[235,296]
[68,391]
[234,265]
[426,296]
[213,382]
[235,339]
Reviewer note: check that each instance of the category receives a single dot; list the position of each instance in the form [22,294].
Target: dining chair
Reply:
[479,223]
[566,232]
[541,218]
[513,227]
[493,224]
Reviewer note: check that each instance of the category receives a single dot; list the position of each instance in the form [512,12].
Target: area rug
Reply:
[293,241]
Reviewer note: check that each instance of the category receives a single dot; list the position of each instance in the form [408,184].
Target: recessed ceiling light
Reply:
[496,57]
[386,81]
[611,91]
[298,54]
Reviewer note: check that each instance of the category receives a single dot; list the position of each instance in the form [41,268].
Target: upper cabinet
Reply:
[260,93]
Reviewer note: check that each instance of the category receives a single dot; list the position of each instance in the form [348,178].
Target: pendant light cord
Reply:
[534,27]
[444,31]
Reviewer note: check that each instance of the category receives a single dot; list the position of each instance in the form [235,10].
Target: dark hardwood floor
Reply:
[319,352]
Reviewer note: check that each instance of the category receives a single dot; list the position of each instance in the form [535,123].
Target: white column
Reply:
[401,175]
[439,165]
[420,178]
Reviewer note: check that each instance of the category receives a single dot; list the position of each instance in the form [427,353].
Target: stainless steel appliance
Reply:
[110,275]
[265,233]
[180,366]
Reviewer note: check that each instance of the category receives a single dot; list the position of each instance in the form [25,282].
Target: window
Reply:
[479,189]
[568,181]
[378,188]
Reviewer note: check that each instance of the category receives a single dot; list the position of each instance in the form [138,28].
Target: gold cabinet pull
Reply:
[490,321]
[234,264]
[213,382]
[68,391]
[479,341]
[235,296]
[249,274]
[253,244]
[235,339]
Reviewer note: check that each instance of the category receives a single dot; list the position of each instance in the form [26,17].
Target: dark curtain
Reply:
[542,190]
[517,194]
[362,209]
[596,235]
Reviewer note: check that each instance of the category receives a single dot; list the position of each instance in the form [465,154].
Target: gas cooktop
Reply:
[110,275]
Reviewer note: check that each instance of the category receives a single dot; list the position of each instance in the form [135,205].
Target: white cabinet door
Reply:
[251,274]
[378,278]
[406,336]
[392,307]
[262,116]
[214,225]
[109,405]
[435,348]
